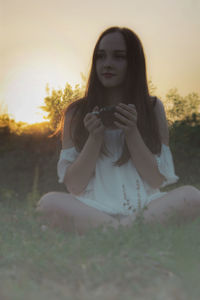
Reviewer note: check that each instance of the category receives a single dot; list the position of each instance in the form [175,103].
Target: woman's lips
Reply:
[108,75]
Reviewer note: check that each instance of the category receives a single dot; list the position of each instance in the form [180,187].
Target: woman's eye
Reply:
[99,55]
[121,56]
[116,56]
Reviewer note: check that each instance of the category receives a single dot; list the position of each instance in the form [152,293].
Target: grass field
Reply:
[143,262]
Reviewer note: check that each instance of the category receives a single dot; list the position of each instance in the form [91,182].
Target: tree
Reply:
[182,108]
[58,101]
[152,87]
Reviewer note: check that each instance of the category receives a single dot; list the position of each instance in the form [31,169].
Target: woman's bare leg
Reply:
[65,211]
[185,201]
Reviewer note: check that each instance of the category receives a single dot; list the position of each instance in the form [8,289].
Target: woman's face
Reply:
[111,60]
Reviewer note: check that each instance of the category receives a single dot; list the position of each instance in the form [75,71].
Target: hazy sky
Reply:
[52,42]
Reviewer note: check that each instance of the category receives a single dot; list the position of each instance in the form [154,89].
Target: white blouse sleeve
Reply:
[67,156]
[166,166]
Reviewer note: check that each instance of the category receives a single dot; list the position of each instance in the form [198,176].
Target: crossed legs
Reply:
[65,211]
[184,201]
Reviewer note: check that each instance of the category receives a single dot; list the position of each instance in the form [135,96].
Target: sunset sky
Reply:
[51,41]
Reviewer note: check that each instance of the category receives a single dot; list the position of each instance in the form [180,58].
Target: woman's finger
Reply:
[124,120]
[128,107]
[127,113]
[92,122]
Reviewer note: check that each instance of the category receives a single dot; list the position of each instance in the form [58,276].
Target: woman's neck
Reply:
[113,96]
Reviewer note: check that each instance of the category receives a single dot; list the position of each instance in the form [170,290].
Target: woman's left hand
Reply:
[127,116]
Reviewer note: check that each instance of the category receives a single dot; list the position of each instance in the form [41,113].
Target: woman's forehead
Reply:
[112,41]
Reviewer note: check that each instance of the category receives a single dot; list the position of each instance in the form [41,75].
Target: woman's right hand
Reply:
[93,124]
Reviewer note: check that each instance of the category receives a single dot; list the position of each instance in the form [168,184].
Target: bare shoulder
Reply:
[159,110]
[66,137]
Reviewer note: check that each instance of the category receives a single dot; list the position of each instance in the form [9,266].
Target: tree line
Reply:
[179,109]
[27,153]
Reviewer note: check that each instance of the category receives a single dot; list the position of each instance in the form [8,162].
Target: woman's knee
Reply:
[47,200]
[191,192]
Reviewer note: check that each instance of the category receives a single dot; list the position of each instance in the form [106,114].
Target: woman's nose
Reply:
[108,62]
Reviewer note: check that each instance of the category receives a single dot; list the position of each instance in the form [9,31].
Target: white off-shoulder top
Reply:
[114,189]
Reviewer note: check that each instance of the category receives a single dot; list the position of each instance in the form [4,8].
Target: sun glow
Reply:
[25,86]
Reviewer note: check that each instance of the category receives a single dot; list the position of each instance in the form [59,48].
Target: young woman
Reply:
[112,172]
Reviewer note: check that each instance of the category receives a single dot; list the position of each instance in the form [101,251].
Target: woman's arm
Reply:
[81,170]
[142,158]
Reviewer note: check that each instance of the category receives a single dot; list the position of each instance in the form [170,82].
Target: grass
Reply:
[143,262]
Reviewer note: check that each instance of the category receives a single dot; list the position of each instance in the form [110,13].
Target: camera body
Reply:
[106,114]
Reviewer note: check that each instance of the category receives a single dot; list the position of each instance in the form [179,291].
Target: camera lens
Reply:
[106,115]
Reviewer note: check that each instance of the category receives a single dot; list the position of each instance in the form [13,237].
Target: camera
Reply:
[106,114]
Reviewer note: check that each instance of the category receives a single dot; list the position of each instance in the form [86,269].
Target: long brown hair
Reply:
[135,91]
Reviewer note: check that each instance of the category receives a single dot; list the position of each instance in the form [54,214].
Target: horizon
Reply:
[53,48]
